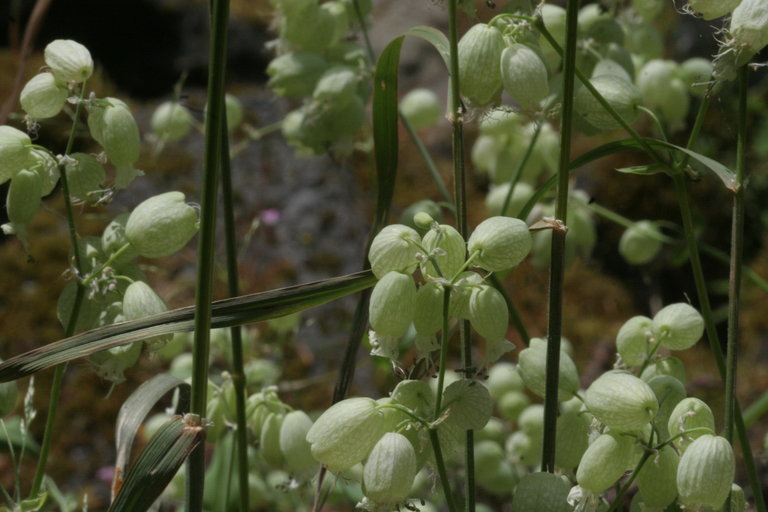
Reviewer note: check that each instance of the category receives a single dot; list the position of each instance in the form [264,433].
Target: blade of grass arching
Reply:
[430,163]
[256,307]
[233,288]
[557,258]
[134,411]
[157,463]
[514,314]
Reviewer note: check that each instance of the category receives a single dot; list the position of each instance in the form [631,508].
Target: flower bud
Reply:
[389,472]
[393,248]
[620,94]
[24,196]
[501,243]
[705,473]
[524,75]
[639,243]
[479,51]
[43,96]
[171,121]
[69,60]
[621,401]
[711,9]
[605,461]
[678,326]
[15,152]
[427,207]
[488,312]
[392,304]
[85,175]
[295,74]
[161,225]
[635,340]
[421,107]
[447,247]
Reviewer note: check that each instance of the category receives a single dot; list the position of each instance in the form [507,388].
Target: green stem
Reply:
[214,126]
[107,263]
[433,171]
[755,411]
[58,374]
[364,30]
[443,352]
[557,257]
[514,314]
[440,463]
[624,488]
[520,167]
[233,288]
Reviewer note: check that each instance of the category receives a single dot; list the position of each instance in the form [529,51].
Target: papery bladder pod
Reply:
[705,473]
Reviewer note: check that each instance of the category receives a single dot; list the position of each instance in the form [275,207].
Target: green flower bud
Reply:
[161,225]
[711,9]
[24,197]
[295,74]
[488,312]
[620,94]
[690,414]
[69,60]
[541,491]
[85,175]
[524,76]
[479,51]
[171,121]
[500,243]
[705,473]
[605,461]
[448,249]
[390,470]
[635,340]
[656,479]
[640,243]
[392,304]
[469,404]
[532,366]
[43,96]
[15,152]
[678,326]
[422,108]
[425,206]
[393,248]
[621,401]
[293,443]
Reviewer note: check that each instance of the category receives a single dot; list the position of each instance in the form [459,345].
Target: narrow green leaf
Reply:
[226,313]
[726,175]
[434,37]
[643,170]
[156,465]
[135,409]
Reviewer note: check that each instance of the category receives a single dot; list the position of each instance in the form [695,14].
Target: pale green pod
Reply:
[605,461]
[344,434]
[394,248]
[648,9]
[171,121]
[161,225]
[532,367]
[524,449]
[524,76]
[503,377]
[113,239]
[315,36]
[479,51]
[295,74]
[85,176]
[669,392]
[415,395]
[337,85]
[297,452]
[391,307]
[390,470]
[705,473]
[621,401]
[15,152]
[500,243]
[657,478]
[488,312]
[653,79]
[340,16]
[421,107]
[234,109]
[531,420]
[140,301]
[572,439]
[494,201]
[269,442]
[640,243]
[488,458]
[110,364]
[428,309]
[448,249]
[461,293]
[24,196]
[495,430]
[711,9]
[620,94]
[69,60]
[48,169]
[635,340]
[749,26]
[120,136]
[678,326]
[696,73]
[665,366]
[612,68]
[511,404]
[541,492]
[693,415]
[485,151]
[500,122]
[43,96]
[500,483]
[469,404]
[738,500]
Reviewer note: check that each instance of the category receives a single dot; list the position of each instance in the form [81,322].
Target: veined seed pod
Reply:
[669,392]
[112,125]
[665,366]
[488,312]
[390,470]
[494,201]
[621,401]
[572,439]
[469,403]
[620,94]
[705,473]
[24,196]
[15,152]
[415,395]
[140,301]
[460,294]
[678,326]
[488,458]
[532,367]
[511,404]
[421,107]
[711,9]
[85,175]
[428,309]
[297,452]
[315,36]
[269,442]
[392,304]
[524,449]
[393,248]
[749,26]
[113,239]
[448,249]
[69,60]
[344,434]
[539,492]
[605,461]
[692,415]
[502,378]
[337,85]
[639,243]
[635,340]
[161,225]
[295,74]
[43,96]
[524,76]
[657,478]
[479,51]
[47,167]
[500,243]
[171,121]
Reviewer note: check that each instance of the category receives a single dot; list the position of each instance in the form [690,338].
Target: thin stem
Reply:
[557,257]
[514,314]
[214,125]
[440,463]
[443,352]
[107,263]
[364,30]
[58,374]
[433,171]
[624,488]
[520,167]
[233,288]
